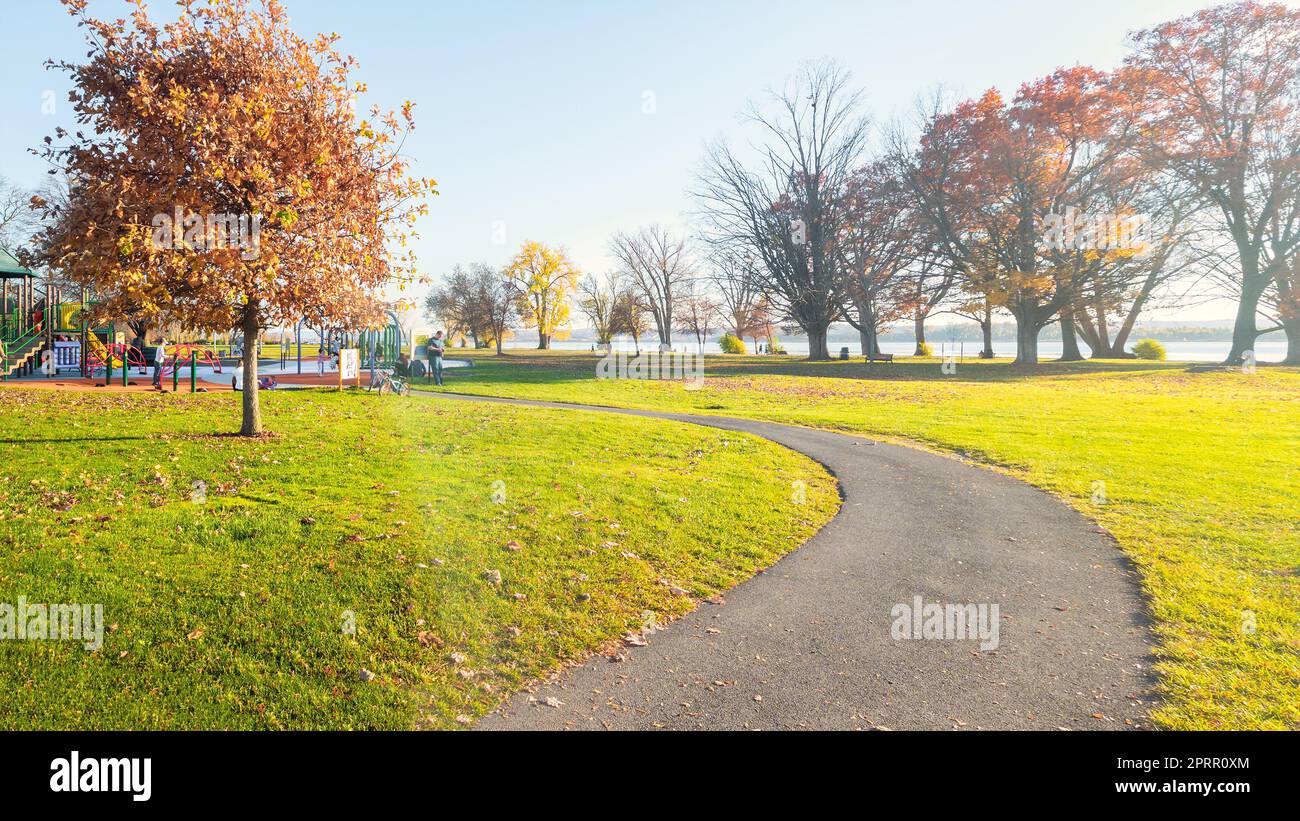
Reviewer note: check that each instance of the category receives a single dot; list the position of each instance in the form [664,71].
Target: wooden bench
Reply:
[881,357]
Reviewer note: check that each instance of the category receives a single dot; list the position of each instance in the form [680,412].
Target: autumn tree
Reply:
[935,160]
[787,208]
[1284,302]
[224,179]
[762,322]
[988,174]
[875,248]
[1111,290]
[543,280]
[1219,100]
[658,264]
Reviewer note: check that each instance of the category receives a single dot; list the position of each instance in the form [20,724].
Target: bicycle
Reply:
[388,383]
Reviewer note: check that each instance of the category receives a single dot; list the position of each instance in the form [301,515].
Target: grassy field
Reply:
[474,548]
[1197,474]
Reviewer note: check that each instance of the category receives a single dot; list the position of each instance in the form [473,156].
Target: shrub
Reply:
[924,349]
[730,344]
[774,346]
[1149,349]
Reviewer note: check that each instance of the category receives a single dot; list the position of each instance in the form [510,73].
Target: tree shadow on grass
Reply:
[554,368]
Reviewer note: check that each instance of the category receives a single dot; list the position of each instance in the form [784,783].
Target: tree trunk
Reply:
[986,328]
[920,334]
[1292,330]
[1026,338]
[1244,329]
[252,425]
[665,338]
[1069,342]
[817,350]
[1126,327]
[543,341]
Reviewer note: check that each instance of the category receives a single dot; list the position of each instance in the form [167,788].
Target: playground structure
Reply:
[380,348]
[40,329]
[110,357]
[44,333]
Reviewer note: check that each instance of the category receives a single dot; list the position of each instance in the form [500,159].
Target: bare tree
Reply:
[931,279]
[452,302]
[659,266]
[733,276]
[631,316]
[17,219]
[478,302]
[497,304]
[787,210]
[696,316]
[598,299]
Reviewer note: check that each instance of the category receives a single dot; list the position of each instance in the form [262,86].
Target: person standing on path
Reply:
[436,347]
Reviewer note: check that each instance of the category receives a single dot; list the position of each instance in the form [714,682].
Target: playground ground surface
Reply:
[286,376]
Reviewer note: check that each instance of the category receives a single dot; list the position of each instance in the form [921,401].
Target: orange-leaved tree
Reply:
[223,177]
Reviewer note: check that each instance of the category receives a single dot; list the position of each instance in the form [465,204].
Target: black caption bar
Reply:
[143,772]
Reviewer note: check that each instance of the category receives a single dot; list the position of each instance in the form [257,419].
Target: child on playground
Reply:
[159,358]
[137,345]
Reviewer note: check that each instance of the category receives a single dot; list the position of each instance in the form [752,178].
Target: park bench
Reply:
[880,357]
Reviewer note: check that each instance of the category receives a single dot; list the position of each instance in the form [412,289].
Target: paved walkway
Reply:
[807,644]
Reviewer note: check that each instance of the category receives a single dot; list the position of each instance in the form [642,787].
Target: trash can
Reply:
[844,353]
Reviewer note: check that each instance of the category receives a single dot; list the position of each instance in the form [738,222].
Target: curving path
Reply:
[807,644]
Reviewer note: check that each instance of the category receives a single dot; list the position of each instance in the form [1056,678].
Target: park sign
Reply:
[349,365]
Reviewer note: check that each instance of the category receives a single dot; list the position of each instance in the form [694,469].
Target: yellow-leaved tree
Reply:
[543,279]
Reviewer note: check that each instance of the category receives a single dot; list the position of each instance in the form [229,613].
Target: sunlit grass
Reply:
[394,513]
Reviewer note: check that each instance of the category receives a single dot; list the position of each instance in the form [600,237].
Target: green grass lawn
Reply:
[1201,476]
[230,612]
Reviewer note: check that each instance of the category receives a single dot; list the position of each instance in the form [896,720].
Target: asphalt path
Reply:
[819,640]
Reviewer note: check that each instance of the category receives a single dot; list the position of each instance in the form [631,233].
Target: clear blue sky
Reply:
[531,114]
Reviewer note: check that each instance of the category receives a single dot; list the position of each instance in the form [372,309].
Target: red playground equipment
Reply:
[116,355]
[188,355]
